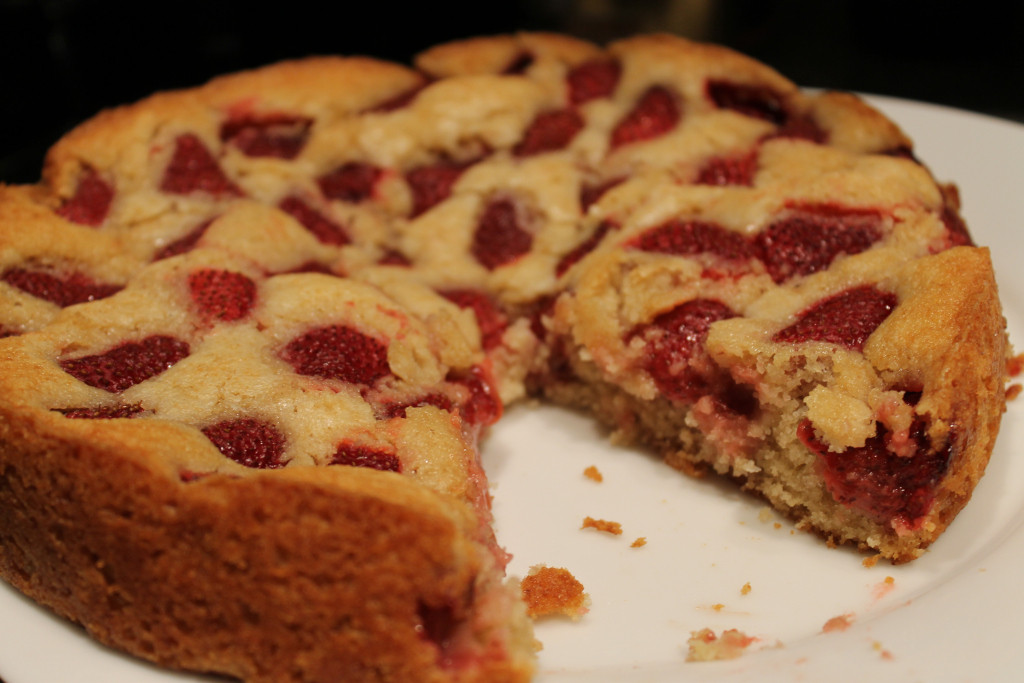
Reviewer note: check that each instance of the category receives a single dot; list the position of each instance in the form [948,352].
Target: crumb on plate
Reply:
[553,591]
[602,525]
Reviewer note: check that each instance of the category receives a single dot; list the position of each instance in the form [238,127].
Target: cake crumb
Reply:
[718,607]
[764,515]
[593,474]
[745,589]
[840,623]
[602,525]
[1013,391]
[639,543]
[1015,365]
[554,591]
[705,646]
[870,562]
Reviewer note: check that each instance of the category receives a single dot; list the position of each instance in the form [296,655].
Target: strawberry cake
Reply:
[253,333]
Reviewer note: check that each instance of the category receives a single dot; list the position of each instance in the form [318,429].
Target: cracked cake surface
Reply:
[252,335]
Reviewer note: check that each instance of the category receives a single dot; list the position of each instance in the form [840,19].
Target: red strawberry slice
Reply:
[91,201]
[589,194]
[431,185]
[810,239]
[270,135]
[194,169]
[401,100]
[352,182]
[729,170]
[338,352]
[364,456]
[519,64]
[248,441]
[802,128]
[846,319]
[593,80]
[550,131]
[183,244]
[221,295]
[956,228]
[393,257]
[656,112]
[126,365]
[758,101]
[395,409]
[103,412]
[322,227]
[675,356]
[489,318]
[877,482]
[499,238]
[584,247]
[484,406]
[687,238]
[65,290]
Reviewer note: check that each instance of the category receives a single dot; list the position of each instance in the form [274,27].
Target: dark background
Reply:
[63,60]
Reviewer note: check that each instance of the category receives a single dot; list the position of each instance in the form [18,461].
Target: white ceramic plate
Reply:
[955,614]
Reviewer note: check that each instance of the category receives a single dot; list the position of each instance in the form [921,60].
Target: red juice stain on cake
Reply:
[593,80]
[675,357]
[221,295]
[729,170]
[656,113]
[877,482]
[322,227]
[432,184]
[128,364]
[248,441]
[688,238]
[338,352]
[91,202]
[121,410]
[185,243]
[808,240]
[500,238]
[194,169]
[550,131]
[491,321]
[269,135]
[847,318]
[62,290]
[352,182]
[365,456]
